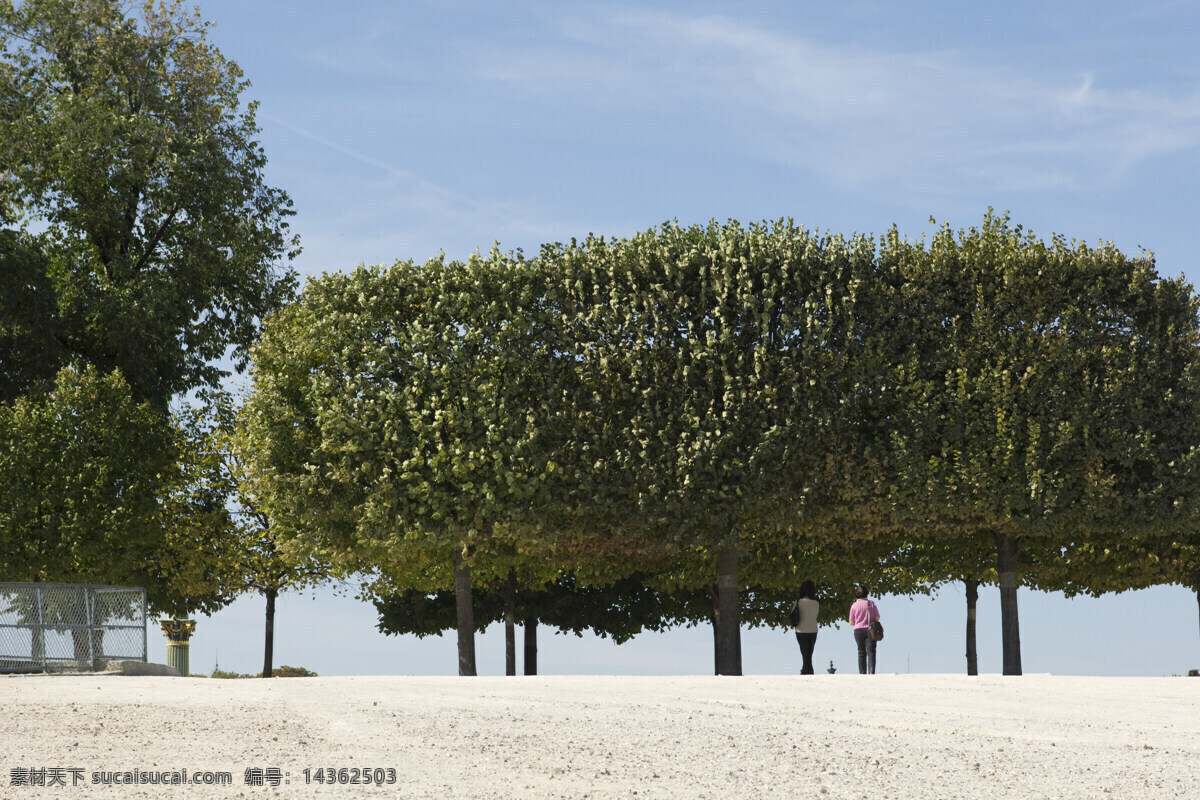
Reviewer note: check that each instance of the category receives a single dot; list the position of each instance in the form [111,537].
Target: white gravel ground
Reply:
[835,736]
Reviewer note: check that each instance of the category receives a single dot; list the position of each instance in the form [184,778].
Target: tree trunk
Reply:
[530,626]
[466,615]
[269,639]
[87,645]
[37,647]
[1007,550]
[716,616]
[972,605]
[739,649]
[37,615]
[1197,585]
[83,636]
[510,622]
[728,624]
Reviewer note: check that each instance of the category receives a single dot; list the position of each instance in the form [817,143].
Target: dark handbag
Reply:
[794,617]
[875,631]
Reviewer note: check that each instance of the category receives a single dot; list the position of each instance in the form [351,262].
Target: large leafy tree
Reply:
[253,557]
[125,146]
[1045,393]
[141,242]
[714,368]
[399,423]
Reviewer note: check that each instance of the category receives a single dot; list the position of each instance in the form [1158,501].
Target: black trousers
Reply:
[807,641]
[866,651]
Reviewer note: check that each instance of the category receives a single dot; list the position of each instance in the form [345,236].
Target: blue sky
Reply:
[406,129]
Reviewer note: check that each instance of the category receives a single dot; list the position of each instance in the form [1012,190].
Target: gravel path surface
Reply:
[835,736]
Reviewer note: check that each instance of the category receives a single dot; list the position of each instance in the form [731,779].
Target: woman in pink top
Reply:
[862,613]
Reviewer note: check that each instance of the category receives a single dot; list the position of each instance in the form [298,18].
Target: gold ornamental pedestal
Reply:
[178,632]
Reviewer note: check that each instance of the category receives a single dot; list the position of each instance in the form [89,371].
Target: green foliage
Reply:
[393,422]
[258,561]
[63,480]
[1040,388]
[620,610]
[279,672]
[1044,385]
[293,672]
[693,414]
[126,139]
[95,487]
[30,352]
[197,537]
[1120,563]
[225,675]
[714,366]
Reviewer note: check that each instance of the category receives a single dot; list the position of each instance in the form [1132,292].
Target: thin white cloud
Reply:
[390,212]
[410,189]
[392,172]
[368,52]
[857,116]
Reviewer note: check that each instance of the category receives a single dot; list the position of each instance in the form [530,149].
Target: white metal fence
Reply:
[47,626]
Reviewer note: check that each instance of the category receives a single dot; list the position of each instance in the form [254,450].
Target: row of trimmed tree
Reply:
[690,421]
